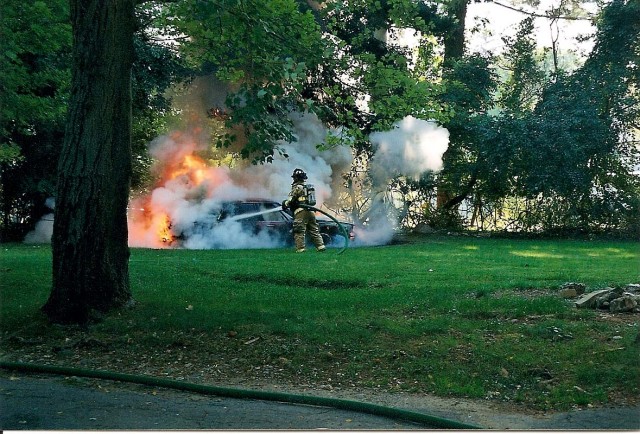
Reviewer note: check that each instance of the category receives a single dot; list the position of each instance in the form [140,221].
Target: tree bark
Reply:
[454,45]
[90,246]
[454,42]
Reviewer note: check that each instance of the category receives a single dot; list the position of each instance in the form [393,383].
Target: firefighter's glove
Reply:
[284,205]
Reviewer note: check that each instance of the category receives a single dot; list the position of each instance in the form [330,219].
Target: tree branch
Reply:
[533,14]
[459,198]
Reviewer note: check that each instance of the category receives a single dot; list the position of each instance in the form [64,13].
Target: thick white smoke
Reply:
[413,147]
[44,228]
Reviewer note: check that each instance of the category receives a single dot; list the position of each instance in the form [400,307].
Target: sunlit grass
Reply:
[537,254]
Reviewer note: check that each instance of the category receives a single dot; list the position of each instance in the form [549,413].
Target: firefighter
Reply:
[303,219]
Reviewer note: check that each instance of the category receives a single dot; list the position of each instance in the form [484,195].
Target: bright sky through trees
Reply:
[503,21]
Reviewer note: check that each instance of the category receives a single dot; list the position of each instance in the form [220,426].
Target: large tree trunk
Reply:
[90,248]
[454,42]
[454,45]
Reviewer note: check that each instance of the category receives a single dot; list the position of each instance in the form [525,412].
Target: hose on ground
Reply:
[341,404]
[345,234]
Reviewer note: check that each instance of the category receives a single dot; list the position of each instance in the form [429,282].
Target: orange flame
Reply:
[148,229]
[149,225]
[193,167]
[162,223]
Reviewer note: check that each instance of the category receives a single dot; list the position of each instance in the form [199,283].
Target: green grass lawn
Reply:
[451,316]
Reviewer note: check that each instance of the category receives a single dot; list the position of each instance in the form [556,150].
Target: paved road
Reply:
[48,403]
[41,402]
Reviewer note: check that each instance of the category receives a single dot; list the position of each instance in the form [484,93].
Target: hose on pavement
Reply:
[341,404]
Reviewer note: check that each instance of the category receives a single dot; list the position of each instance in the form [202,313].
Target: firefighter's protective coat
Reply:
[303,219]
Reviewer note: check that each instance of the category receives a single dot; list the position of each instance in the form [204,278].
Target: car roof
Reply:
[253,201]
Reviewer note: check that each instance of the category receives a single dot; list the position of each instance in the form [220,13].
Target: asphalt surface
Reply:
[48,403]
[42,402]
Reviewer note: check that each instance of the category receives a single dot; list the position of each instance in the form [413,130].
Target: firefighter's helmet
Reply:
[299,175]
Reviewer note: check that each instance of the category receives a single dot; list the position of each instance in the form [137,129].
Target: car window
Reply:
[276,216]
[246,208]
[228,210]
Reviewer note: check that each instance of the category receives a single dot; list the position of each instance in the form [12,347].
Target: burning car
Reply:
[260,219]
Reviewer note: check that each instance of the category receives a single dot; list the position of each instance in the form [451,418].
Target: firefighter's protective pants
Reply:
[303,221]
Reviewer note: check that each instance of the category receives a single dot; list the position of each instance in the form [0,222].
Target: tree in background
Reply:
[473,165]
[35,70]
[558,152]
[582,136]
[471,84]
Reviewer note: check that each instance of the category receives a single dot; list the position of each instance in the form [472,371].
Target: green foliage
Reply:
[397,318]
[579,138]
[36,38]
[564,143]
[521,91]
[9,154]
[247,39]
[378,67]
[474,161]
[35,66]
[396,93]
[264,49]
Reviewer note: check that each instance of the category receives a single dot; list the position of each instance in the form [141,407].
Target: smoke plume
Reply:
[413,147]
[44,228]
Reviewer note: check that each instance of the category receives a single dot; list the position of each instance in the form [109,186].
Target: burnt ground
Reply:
[45,402]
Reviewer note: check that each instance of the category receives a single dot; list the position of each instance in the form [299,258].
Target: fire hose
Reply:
[341,404]
[344,232]
[342,229]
